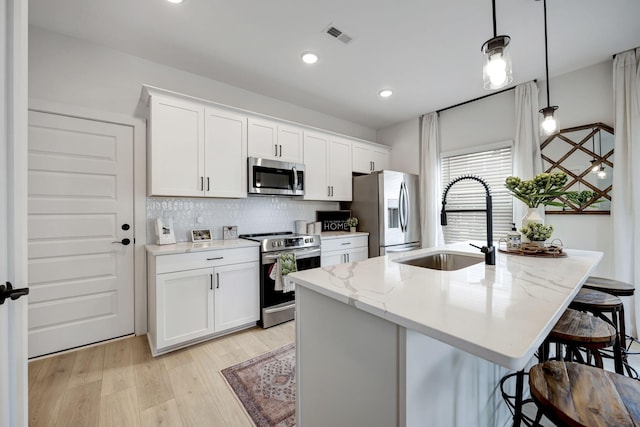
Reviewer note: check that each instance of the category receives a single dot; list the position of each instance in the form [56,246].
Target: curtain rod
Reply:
[479,98]
[628,50]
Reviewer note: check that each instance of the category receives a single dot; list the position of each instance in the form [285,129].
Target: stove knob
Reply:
[310,239]
[273,244]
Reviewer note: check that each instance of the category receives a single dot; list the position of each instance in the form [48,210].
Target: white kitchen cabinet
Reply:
[199,295]
[194,149]
[237,299]
[369,157]
[185,299]
[327,167]
[175,147]
[344,248]
[273,140]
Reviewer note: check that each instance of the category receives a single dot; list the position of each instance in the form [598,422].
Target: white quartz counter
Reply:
[500,313]
[186,247]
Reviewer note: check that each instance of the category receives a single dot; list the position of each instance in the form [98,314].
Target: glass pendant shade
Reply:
[497,72]
[602,174]
[549,124]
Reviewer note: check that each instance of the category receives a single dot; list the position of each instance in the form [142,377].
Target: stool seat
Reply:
[578,395]
[591,298]
[610,286]
[579,327]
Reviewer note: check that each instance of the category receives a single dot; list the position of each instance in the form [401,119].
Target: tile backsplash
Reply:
[252,215]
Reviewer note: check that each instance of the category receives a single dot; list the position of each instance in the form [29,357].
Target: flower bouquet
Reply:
[541,190]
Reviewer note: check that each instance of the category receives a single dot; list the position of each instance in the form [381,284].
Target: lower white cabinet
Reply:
[195,296]
[344,248]
[237,298]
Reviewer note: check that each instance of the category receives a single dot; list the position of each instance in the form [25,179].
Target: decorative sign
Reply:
[230,232]
[165,231]
[333,220]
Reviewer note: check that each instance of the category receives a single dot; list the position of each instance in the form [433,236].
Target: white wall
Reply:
[402,137]
[79,73]
[584,96]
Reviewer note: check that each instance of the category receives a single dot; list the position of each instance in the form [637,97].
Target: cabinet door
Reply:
[362,162]
[340,169]
[381,158]
[225,151]
[289,144]
[184,306]
[237,295]
[357,254]
[316,151]
[263,135]
[176,148]
[332,258]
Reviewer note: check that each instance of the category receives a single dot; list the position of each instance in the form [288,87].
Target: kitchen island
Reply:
[381,343]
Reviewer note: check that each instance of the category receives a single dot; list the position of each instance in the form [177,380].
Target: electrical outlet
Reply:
[199,219]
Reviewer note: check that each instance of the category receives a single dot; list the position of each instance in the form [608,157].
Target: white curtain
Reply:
[527,161]
[430,186]
[625,203]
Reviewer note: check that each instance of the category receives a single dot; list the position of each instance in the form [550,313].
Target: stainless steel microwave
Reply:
[272,177]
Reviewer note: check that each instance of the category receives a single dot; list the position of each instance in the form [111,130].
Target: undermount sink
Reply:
[442,261]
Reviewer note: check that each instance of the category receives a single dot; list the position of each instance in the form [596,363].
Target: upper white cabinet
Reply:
[370,157]
[276,141]
[195,150]
[175,147]
[327,162]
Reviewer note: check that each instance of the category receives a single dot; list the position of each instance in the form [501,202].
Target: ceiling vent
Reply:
[337,34]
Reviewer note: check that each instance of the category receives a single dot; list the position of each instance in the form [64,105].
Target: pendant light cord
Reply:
[546,51]
[493,5]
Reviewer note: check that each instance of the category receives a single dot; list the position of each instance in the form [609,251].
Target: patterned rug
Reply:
[266,387]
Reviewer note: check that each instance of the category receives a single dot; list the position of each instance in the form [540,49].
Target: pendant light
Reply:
[496,72]
[594,166]
[602,174]
[549,123]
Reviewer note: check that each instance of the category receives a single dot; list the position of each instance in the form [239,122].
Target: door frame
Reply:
[139,191]
[13,161]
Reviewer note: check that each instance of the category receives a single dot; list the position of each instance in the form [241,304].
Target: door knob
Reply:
[124,241]
[125,227]
[8,292]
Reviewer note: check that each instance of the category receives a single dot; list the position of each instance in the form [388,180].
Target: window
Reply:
[494,166]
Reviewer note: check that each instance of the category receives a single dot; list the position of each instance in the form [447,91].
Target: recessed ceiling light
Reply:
[309,57]
[385,93]
[175,1]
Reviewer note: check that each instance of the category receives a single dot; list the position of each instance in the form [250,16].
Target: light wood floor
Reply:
[120,384]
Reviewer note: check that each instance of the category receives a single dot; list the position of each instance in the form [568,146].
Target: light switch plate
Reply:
[230,232]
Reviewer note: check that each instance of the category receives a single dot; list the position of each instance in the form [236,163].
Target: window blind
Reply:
[494,166]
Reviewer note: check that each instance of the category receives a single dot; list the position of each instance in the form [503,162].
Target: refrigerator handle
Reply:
[407,210]
[401,206]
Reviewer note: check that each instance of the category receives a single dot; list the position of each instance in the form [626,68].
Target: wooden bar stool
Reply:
[610,286]
[571,394]
[603,304]
[578,330]
[575,330]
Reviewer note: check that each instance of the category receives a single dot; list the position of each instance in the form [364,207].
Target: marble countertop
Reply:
[500,313]
[327,235]
[185,247]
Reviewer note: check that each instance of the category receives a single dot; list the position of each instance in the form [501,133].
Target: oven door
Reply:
[277,306]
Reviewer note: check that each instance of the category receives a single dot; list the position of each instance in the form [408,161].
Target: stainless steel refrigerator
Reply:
[387,206]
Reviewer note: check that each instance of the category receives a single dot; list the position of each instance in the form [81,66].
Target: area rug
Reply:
[266,387]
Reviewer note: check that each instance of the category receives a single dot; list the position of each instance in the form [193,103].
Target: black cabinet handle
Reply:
[8,292]
[207,183]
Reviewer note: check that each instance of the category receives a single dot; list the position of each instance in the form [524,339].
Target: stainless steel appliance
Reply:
[272,177]
[387,206]
[276,306]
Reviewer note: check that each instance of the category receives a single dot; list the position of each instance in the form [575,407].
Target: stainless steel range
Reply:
[277,306]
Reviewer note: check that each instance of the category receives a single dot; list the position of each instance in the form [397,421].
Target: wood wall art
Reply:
[585,153]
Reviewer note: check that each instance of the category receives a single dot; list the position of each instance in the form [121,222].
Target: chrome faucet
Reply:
[489,251]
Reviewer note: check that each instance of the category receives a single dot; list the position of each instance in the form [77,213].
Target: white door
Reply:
[80,219]
[13,208]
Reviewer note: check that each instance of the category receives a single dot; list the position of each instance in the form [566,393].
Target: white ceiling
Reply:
[428,52]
